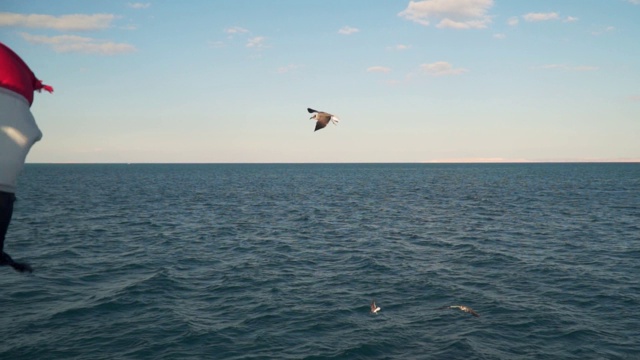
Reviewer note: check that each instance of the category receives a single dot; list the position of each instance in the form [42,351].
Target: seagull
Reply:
[322,118]
[463,308]
[374,307]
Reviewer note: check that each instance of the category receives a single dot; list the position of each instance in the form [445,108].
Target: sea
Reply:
[282,261]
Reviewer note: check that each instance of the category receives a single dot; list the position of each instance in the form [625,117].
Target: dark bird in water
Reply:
[461,307]
[322,118]
[374,307]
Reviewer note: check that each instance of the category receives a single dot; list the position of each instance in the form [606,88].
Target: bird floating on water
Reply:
[322,118]
[374,307]
[463,308]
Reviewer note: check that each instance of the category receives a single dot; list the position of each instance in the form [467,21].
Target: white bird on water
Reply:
[322,118]
[374,307]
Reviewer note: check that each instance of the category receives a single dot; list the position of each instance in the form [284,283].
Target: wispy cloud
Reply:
[454,14]
[256,42]
[399,47]
[635,98]
[217,44]
[139,5]
[608,29]
[535,17]
[74,22]
[348,30]
[236,30]
[79,44]
[289,68]
[379,69]
[237,35]
[636,2]
[470,24]
[441,68]
[499,36]
[567,67]
[513,21]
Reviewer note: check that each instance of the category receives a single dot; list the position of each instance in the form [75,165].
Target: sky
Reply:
[229,81]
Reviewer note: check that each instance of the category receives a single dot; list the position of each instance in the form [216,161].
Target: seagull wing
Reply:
[310,110]
[374,308]
[472,312]
[321,123]
[323,120]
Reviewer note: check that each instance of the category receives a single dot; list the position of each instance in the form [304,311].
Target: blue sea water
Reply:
[278,261]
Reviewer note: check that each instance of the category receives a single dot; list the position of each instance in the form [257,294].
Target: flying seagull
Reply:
[322,118]
[461,307]
[374,307]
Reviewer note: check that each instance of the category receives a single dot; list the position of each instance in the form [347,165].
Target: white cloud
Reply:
[256,42]
[73,43]
[217,44]
[456,14]
[77,22]
[583,68]
[537,17]
[534,17]
[289,68]
[399,47]
[441,68]
[500,36]
[471,24]
[348,30]
[636,2]
[380,69]
[236,30]
[568,67]
[139,5]
[603,31]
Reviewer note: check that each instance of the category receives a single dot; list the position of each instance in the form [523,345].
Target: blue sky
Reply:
[422,81]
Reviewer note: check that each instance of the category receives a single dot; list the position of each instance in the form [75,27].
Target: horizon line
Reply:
[448,161]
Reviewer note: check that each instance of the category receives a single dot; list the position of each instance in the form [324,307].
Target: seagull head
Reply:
[313,117]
